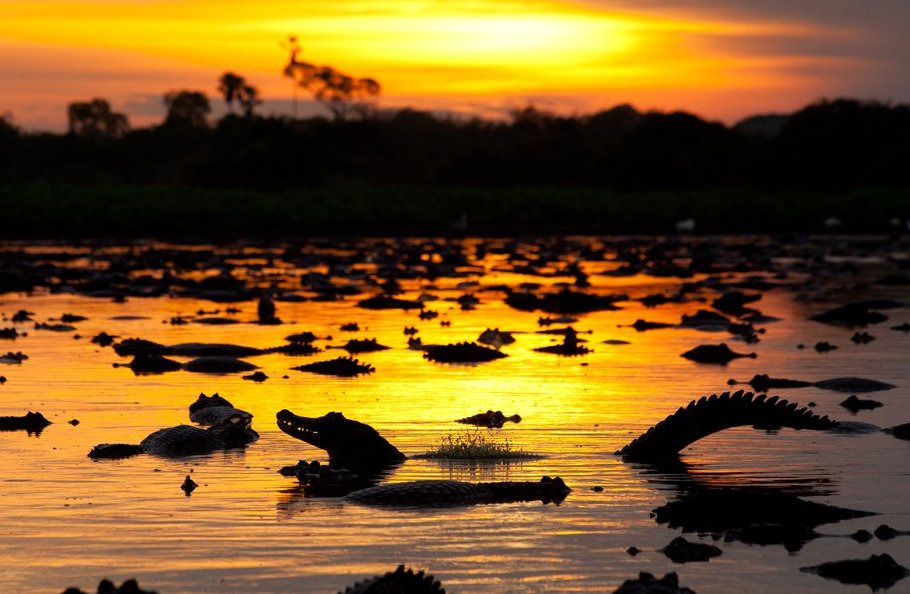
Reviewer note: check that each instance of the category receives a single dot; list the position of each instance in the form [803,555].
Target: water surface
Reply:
[67,520]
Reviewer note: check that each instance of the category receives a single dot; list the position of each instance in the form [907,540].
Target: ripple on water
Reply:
[69,520]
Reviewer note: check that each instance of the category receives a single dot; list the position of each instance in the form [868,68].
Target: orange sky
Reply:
[474,56]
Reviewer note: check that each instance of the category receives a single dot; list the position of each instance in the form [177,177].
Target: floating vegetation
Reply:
[476,445]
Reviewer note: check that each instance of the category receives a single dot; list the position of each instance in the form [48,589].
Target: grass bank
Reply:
[33,211]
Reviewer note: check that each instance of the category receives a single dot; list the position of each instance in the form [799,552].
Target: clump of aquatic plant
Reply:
[474,445]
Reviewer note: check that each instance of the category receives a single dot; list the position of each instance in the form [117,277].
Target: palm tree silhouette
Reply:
[231,86]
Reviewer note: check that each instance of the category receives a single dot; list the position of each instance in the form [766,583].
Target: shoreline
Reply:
[69,211]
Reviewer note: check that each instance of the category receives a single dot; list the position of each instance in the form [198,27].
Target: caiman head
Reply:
[349,443]
[235,431]
[553,490]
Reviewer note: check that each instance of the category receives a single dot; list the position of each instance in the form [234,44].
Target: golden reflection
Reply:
[132,517]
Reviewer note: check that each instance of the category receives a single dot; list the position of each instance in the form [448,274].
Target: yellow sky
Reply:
[468,55]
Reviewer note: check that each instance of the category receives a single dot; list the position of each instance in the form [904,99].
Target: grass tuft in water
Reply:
[474,445]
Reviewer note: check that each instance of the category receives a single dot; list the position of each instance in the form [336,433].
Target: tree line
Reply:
[836,144]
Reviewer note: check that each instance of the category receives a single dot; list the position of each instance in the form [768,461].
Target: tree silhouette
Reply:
[340,93]
[248,99]
[7,128]
[96,119]
[234,87]
[186,109]
[230,85]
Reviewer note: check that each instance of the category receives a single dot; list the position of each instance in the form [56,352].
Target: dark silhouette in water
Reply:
[400,580]
[108,587]
[32,422]
[878,571]
[751,515]
[648,584]
[349,443]
[489,419]
[719,354]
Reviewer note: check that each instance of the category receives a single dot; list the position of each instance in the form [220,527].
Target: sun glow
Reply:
[456,52]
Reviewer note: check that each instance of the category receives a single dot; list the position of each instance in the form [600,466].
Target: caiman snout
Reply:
[302,428]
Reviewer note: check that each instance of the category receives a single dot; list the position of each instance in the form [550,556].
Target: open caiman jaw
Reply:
[302,428]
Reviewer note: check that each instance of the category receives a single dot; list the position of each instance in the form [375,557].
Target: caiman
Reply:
[32,422]
[349,443]
[226,430]
[400,580]
[458,493]
[712,414]
[359,448]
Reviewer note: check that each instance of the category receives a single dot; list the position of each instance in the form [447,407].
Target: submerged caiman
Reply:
[227,428]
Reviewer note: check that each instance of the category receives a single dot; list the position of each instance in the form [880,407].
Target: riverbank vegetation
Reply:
[73,211]
[410,172]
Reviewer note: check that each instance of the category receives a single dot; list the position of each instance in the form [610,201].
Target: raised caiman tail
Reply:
[457,493]
[715,413]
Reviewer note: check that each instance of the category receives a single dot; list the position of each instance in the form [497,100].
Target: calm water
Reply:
[66,520]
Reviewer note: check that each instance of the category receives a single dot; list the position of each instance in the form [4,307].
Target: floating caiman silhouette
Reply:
[400,580]
[878,571]
[32,422]
[458,493]
[648,584]
[763,383]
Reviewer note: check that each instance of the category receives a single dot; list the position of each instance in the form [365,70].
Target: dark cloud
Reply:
[890,14]
[858,47]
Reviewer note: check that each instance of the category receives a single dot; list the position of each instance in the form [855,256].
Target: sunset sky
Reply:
[721,59]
